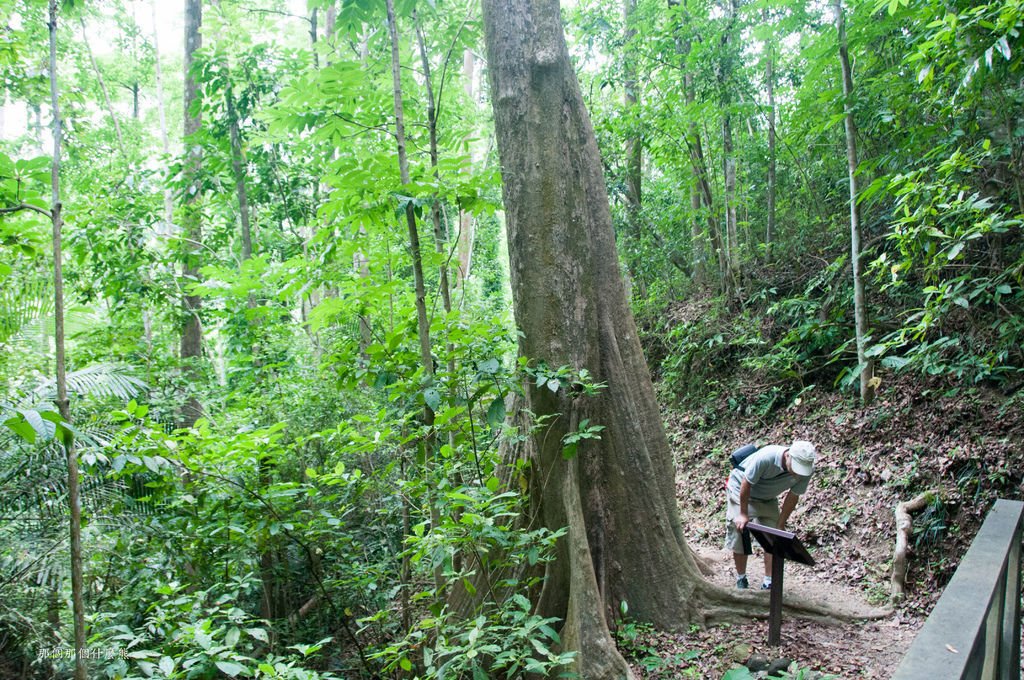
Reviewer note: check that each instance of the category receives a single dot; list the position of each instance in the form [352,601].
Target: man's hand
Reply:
[741,521]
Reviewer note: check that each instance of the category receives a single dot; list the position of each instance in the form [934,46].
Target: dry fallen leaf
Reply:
[952,649]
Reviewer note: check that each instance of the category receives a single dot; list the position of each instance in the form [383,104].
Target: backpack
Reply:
[741,454]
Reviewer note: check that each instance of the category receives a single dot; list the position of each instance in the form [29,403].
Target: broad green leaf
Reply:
[432,398]
[258,633]
[20,427]
[496,413]
[230,667]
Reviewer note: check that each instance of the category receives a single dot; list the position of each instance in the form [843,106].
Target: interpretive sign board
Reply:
[782,546]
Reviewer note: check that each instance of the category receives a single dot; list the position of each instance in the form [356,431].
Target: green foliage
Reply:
[636,641]
[314,519]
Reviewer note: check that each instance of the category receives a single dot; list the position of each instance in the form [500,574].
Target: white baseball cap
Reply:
[802,455]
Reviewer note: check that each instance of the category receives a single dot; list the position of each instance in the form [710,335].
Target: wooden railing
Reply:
[974,630]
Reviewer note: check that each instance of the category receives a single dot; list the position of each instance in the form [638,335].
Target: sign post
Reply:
[782,546]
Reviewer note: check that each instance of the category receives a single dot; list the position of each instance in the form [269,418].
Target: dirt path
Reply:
[863,650]
[870,649]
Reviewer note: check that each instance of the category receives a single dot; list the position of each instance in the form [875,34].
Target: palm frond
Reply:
[23,304]
[98,380]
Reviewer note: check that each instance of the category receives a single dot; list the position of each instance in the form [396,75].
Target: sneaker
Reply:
[766,586]
[742,583]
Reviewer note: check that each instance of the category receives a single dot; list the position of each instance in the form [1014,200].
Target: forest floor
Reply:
[962,443]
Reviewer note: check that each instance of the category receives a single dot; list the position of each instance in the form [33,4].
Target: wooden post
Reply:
[775,603]
[780,545]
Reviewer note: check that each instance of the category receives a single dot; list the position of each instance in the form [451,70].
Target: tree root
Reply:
[904,527]
[727,605]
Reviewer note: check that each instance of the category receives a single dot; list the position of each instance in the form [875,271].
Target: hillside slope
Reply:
[963,443]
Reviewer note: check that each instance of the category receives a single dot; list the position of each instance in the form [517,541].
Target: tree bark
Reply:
[192,226]
[74,502]
[864,364]
[570,305]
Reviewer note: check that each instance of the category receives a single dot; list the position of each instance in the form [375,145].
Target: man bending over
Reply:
[753,491]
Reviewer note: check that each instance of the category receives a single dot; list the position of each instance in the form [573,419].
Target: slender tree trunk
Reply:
[732,245]
[439,246]
[697,239]
[313,36]
[238,168]
[162,112]
[74,502]
[865,365]
[103,90]
[423,324]
[769,76]
[634,143]
[700,189]
[435,210]
[410,214]
[191,335]
[331,22]
[467,225]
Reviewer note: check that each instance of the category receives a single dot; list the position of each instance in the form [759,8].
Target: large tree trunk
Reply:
[864,364]
[571,307]
[74,502]
[191,220]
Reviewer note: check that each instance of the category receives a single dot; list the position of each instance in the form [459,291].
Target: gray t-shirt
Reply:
[767,477]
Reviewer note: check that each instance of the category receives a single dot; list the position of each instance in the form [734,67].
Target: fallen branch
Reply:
[303,611]
[904,527]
